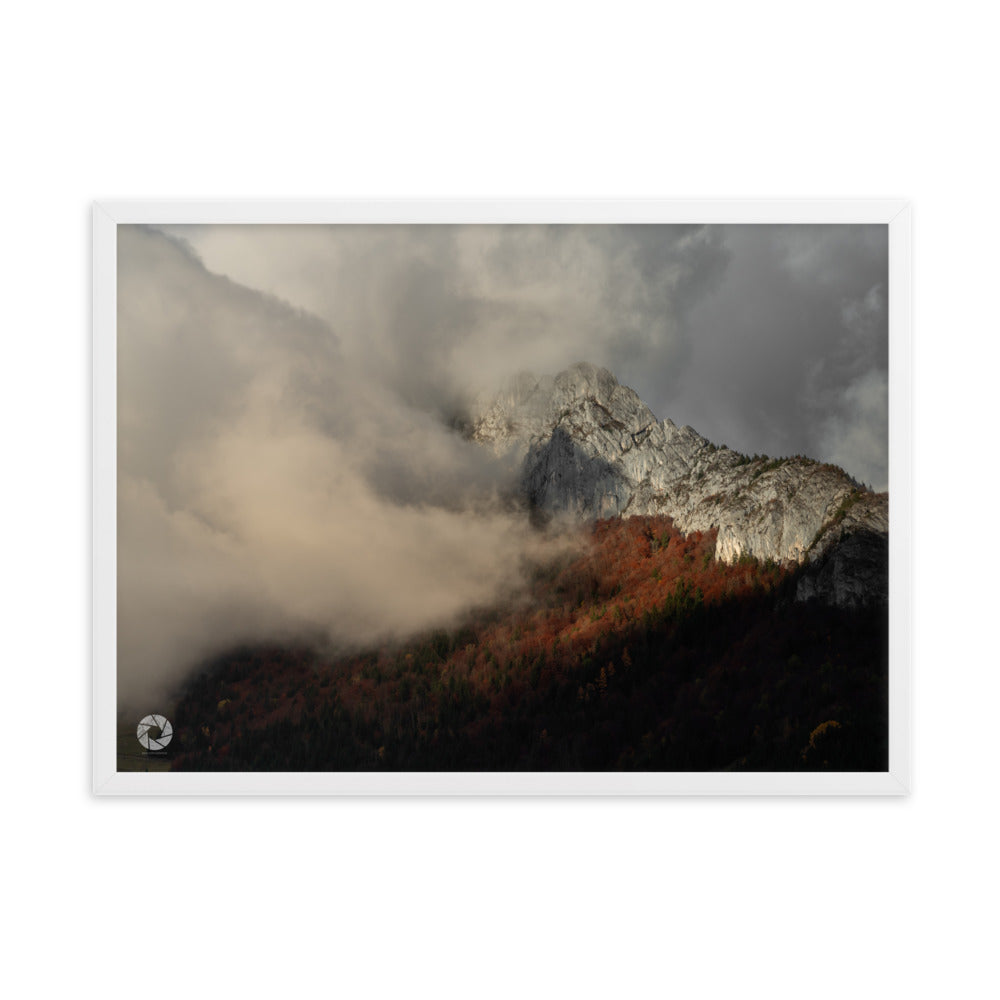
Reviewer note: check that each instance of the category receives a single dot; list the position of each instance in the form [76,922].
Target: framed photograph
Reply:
[502,498]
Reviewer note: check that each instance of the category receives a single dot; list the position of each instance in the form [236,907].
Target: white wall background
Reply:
[493,898]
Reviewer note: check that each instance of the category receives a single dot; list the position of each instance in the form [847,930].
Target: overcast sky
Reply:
[768,338]
[285,459]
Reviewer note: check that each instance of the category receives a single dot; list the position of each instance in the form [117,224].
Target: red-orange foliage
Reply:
[570,633]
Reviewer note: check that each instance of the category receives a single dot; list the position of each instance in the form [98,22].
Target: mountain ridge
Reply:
[587,447]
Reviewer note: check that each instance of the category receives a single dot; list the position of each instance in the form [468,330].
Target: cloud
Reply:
[854,435]
[287,464]
[751,334]
[437,313]
[265,490]
[778,350]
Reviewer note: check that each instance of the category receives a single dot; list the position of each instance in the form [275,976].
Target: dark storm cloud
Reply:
[287,393]
[789,354]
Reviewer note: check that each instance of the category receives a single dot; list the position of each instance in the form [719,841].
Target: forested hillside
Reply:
[639,650]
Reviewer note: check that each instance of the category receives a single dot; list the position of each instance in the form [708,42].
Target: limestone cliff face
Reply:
[589,447]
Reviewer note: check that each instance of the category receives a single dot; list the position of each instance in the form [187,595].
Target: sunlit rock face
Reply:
[589,447]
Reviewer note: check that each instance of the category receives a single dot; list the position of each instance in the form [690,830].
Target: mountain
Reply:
[709,611]
[588,447]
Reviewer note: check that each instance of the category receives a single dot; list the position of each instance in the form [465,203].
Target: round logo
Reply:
[155,732]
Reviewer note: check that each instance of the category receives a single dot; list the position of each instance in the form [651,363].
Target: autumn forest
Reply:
[634,649]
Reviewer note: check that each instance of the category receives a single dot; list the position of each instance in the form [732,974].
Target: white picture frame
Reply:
[108,215]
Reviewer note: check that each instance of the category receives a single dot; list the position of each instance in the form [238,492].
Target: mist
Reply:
[288,464]
[268,490]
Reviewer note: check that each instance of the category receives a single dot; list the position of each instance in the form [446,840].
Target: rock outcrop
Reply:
[588,447]
[851,573]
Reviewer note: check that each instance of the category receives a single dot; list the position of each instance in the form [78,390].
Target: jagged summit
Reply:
[588,446]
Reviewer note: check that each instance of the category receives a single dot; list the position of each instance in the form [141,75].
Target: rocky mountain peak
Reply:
[588,447]
[583,399]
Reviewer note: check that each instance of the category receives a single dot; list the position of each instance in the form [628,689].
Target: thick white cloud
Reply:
[265,491]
